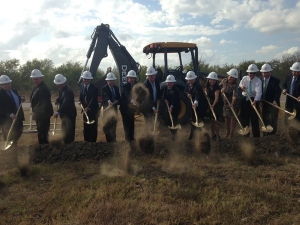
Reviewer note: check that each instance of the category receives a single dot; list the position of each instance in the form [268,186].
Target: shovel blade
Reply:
[244,131]
[293,115]
[178,126]
[6,145]
[90,122]
[201,124]
[267,129]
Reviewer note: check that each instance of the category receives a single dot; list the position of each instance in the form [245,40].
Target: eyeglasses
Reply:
[252,73]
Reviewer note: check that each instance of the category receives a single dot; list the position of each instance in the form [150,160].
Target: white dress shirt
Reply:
[256,91]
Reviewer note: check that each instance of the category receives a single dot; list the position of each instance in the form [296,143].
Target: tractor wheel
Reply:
[185,110]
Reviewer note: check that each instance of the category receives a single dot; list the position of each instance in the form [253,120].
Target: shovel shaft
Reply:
[254,107]
[236,117]
[171,118]
[291,96]
[277,107]
[210,106]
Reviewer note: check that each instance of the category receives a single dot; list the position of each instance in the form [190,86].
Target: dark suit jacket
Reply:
[290,102]
[273,91]
[197,95]
[158,92]
[173,97]
[66,103]
[107,95]
[91,100]
[125,97]
[8,106]
[40,99]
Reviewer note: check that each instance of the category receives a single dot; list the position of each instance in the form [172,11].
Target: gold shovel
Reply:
[196,124]
[244,130]
[87,118]
[155,132]
[178,126]
[293,114]
[264,128]
[8,143]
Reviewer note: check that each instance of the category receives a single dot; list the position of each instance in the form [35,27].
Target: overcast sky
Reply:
[226,31]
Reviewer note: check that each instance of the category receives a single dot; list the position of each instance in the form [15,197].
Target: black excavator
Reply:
[103,37]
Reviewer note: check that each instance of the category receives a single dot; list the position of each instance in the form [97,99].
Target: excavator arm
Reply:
[102,38]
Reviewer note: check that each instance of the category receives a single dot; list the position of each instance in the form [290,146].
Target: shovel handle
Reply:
[87,118]
[171,118]
[254,107]
[196,116]
[13,123]
[291,96]
[277,107]
[210,106]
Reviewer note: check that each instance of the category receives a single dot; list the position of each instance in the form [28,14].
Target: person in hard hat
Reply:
[194,91]
[253,86]
[10,102]
[126,111]
[110,98]
[212,90]
[271,92]
[67,110]
[42,108]
[229,87]
[171,96]
[291,86]
[152,84]
[89,100]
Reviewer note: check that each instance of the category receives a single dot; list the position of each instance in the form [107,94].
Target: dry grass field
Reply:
[239,181]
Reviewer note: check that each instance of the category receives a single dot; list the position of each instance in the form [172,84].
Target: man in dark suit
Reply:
[41,105]
[194,91]
[126,111]
[67,110]
[291,86]
[151,104]
[171,96]
[89,100]
[10,103]
[110,99]
[271,93]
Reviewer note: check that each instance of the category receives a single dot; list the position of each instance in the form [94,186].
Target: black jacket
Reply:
[8,106]
[107,95]
[173,97]
[125,97]
[91,99]
[66,103]
[158,92]
[273,91]
[290,102]
[40,99]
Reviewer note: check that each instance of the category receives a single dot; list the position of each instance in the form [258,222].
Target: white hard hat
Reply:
[131,73]
[252,69]
[190,75]
[151,71]
[295,67]
[212,76]
[59,79]
[87,75]
[110,76]
[266,68]
[233,73]
[36,73]
[170,78]
[4,79]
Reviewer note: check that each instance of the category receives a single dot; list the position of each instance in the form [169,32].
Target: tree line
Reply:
[20,73]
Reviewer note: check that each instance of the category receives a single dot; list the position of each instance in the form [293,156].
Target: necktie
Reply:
[292,86]
[265,87]
[249,90]
[154,91]
[113,94]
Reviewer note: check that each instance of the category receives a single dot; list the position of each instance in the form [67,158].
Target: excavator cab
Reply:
[181,49]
